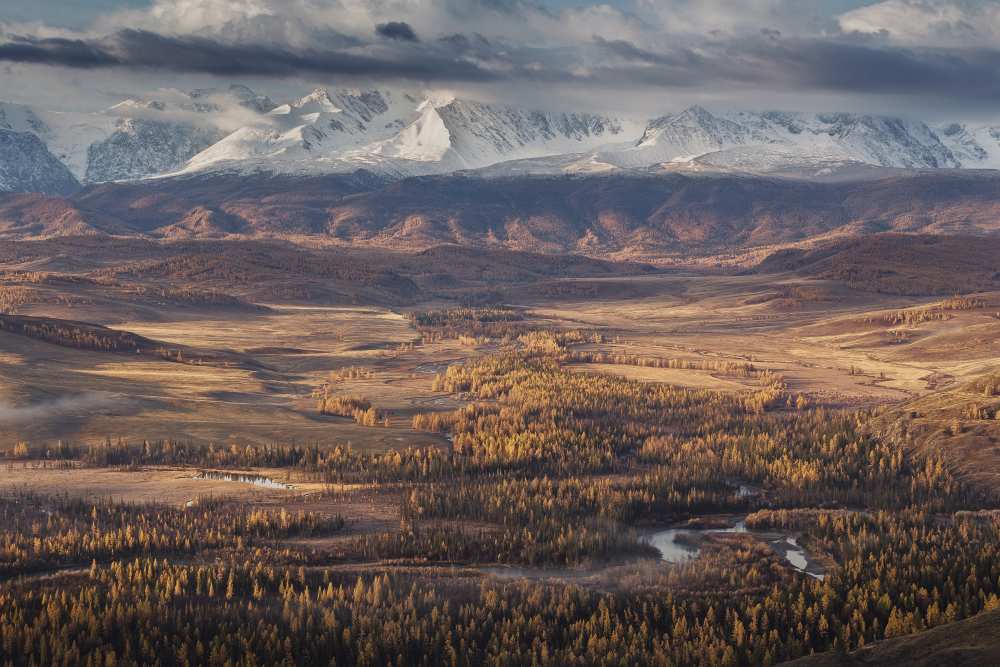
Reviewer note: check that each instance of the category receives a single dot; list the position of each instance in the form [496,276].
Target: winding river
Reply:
[678,545]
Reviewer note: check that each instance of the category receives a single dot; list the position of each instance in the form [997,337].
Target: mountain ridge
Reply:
[400,134]
[661,215]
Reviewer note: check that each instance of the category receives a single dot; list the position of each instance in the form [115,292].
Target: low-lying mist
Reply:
[68,405]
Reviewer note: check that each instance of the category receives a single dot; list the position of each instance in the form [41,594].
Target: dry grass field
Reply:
[839,348]
[626,417]
[85,396]
[174,486]
[835,345]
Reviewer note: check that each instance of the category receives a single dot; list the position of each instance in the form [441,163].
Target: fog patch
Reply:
[59,407]
[208,109]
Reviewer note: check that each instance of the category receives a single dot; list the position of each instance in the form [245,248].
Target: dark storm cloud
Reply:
[396,30]
[55,51]
[143,49]
[845,64]
[469,46]
[630,52]
[860,67]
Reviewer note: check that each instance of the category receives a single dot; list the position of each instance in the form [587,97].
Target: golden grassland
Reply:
[509,465]
[842,349]
[832,346]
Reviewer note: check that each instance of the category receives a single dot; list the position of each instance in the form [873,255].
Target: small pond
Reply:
[243,478]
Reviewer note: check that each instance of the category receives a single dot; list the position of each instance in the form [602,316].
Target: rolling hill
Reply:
[973,642]
[598,215]
[918,264]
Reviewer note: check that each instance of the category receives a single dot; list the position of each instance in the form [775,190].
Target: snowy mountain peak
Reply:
[973,146]
[318,100]
[441,98]
[691,117]
[696,114]
[426,139]
[690,133]
[875,140]
[125,106]
[401,133]
[365,105]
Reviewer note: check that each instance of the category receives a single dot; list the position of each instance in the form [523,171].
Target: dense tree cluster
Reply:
[548,468]
[899,573]
[50,278]
[665,494]
[85,336]
[73,334]
[39,533]
[341,463]
[475,323]
[733,368]
[14,297]
[988,386]
[533,413]
[357,408]
[548,542]
[938,311]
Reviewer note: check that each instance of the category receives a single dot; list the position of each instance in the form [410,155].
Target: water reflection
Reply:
[678,545]
[243,478]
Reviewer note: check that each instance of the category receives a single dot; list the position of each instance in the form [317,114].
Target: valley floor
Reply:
[671,468]
[839,348]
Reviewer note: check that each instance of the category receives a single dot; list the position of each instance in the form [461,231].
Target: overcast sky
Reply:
[910,57]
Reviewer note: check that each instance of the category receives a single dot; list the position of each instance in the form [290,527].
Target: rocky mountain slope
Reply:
[26,165]
[399,134]
[973,146]
[139,148]
[136,138]
[67,135]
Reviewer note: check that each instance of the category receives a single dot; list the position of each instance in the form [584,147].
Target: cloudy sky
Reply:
[927,57]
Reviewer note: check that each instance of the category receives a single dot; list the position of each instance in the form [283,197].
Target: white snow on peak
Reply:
[67,134]
[400,133]
[764,137]
[318,101]
[426,139]
[976,146]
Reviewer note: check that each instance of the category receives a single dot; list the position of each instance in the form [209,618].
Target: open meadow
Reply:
[633,438]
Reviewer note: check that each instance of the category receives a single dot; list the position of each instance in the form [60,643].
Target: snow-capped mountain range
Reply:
[401,134]
[398,134]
